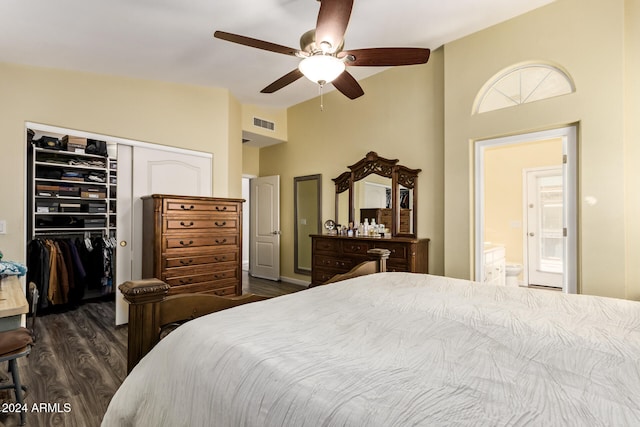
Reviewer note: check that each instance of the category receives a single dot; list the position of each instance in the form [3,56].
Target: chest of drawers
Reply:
[338,254]
[193,243]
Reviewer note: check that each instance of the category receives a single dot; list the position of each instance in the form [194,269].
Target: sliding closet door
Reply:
[153,170]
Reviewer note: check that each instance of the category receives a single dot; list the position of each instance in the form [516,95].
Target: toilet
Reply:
[512,271]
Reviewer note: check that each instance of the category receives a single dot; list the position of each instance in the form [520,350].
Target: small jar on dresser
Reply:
[193,243]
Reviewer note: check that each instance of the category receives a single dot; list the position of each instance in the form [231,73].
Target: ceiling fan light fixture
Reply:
[321,69]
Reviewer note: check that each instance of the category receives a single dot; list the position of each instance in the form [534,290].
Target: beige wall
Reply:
[503,190]
[400,116]
[563,33]
[632,146]
[250,160]
[190,117]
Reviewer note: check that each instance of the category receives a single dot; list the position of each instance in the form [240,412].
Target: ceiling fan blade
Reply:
[333,18]
[283,81]
[348,85]
[260,44]
[387,56]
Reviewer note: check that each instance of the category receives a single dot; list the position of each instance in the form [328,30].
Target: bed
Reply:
[394,349]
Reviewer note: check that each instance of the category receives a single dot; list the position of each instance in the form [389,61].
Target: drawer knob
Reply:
[182,223]
[224,208]
[188,262]
[183,281]
[222,224]
[186,244]
[187,208]
[220,242]
[222,258]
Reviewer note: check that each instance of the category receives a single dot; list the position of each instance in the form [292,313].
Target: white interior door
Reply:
[264,241]
[545,226]
[151,170]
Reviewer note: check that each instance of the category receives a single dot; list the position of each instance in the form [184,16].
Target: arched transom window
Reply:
[523,84]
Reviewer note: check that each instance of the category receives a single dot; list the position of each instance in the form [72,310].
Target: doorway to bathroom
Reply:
[525,210]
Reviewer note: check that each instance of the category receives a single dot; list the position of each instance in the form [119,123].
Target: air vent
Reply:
[265,124]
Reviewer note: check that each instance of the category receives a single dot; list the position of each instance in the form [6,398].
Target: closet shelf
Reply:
[68,181]
[66,166]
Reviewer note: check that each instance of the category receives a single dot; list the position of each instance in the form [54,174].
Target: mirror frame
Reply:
[296,181]
[400,176]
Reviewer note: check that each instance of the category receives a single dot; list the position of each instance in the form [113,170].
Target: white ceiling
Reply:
[171,40]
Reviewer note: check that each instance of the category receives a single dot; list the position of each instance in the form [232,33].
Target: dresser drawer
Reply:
[398,250]
[321,276]
[326,245]
[199,206]
[191,279]
[342,264]
[213,269]
[191,223]
[220,288]
[186,261]
[397,266]
[355,247]
[172,242]
[222,292]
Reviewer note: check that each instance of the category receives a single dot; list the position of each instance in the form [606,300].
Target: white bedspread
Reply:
[395,349]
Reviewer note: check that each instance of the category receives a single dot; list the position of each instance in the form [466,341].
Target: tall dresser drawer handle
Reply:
[185,208]
[221,224]
[189,280]
[218,241]
[222,258]
[186,244]
[188,262]
[182,223]
[224,208]
[219,276]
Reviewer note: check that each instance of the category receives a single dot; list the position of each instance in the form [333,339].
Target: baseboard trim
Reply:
[295,281]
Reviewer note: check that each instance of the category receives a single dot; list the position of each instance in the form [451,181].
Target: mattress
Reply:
[395,349]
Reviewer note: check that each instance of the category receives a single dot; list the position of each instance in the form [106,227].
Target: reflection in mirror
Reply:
[342,208]
[405,202]
[343,184]
[372,198]
[307,216]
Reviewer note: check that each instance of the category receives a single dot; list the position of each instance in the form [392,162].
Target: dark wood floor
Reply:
[80,359]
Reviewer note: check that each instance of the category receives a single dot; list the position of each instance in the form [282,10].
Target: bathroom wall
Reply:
[504,190]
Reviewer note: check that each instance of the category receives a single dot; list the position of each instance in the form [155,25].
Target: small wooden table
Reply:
[13,303]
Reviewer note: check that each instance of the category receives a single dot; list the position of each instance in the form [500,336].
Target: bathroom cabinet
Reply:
[494,265]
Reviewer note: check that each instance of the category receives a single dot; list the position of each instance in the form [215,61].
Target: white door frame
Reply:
[570,177]
[246,222]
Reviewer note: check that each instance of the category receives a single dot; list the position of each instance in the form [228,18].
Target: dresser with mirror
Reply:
[373,188]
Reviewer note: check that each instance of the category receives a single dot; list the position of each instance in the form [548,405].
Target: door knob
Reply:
[123,243]
[532,234]
[276,232]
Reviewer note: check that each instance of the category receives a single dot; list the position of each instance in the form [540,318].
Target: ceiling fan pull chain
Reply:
[321,97]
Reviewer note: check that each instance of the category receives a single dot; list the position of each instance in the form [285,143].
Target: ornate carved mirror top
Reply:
[389,196]
[372,163]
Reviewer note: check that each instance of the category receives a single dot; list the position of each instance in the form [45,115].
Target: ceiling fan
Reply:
[323,58]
